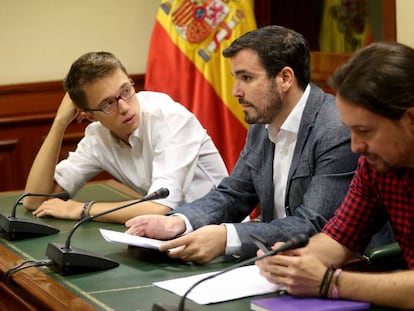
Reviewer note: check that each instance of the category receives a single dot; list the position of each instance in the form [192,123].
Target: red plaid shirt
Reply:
[371,199]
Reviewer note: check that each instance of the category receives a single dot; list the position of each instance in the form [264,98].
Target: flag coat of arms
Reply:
[185,61]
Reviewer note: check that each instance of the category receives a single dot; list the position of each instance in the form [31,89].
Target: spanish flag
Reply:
[185,61]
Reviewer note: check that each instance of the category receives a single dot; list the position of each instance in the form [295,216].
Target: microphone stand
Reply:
[13,228]
[300,240]
[68,260]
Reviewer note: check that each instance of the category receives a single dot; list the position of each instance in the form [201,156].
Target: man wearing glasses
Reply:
[144,140]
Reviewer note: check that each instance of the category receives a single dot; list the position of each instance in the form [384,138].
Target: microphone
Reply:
[297,241]
[13,228]
[69,260]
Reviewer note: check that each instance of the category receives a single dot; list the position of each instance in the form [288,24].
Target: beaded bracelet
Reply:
[335,288]
[85,206]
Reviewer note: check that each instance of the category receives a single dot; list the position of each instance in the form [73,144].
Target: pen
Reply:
[260,243]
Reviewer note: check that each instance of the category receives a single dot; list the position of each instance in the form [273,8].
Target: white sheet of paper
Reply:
[129,239]
[238,283]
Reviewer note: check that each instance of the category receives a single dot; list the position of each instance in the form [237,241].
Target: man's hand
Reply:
[200,246]
[298,269]
[67,111]
[60,209]
[156,226]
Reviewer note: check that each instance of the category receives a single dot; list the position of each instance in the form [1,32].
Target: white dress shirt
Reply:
[169,149]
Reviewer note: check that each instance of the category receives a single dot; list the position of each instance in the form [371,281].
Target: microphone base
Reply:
[13,228]
[165,307]
[76,261]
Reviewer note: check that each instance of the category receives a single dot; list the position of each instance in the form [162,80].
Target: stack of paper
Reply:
[238,283]
[129,239]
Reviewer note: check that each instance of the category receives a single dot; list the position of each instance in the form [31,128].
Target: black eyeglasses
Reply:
[112,104]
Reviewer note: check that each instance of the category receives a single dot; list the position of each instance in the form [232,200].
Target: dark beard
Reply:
[267,114]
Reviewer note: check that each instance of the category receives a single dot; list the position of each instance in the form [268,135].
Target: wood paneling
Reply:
[32,289]
[26,114]
[323,65]
[8,163]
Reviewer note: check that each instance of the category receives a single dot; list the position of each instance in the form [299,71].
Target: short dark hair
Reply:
[379,77]
[276,47]
[86,69]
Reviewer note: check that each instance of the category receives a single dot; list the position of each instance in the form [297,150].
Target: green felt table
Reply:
[127,287]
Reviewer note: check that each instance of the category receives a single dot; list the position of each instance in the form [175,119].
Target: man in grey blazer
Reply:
[297,161]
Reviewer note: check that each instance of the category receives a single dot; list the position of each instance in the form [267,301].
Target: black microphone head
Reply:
[159,194]
[62,195]
[162,193]
[300,240]
[297,241]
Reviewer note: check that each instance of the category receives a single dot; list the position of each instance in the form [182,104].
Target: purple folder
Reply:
[290,303]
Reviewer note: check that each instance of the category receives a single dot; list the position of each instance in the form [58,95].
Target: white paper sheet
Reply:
[129,239]
[238,283]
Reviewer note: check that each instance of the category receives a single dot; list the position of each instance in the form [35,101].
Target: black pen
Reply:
[260,243]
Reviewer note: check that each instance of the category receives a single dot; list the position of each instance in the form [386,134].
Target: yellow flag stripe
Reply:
[177,18]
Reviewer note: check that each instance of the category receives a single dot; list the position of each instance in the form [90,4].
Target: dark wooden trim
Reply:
[33,87]
[48,86]
[37,101]
[6,143]
[323,65]
[262,12]
[26,119]
[30,289]
[389,20]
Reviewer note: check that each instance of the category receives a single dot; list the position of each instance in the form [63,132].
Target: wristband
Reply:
[85,207]
[335,288]
[88,210]
[326,282]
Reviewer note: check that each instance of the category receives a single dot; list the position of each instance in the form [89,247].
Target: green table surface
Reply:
[127,287]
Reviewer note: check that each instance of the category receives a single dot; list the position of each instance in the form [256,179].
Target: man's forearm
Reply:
[41,175]
[122,215]
[394,289]
[329,251]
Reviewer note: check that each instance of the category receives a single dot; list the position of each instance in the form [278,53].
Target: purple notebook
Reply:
[290,303]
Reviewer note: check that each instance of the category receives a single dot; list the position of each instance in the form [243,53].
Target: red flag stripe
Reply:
[187,86]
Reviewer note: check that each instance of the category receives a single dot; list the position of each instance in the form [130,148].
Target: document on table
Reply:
[238,283]
[129,239]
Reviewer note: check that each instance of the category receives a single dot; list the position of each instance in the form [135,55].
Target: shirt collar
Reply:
[134,137]
[292,122]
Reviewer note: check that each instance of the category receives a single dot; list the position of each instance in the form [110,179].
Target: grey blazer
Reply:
[321,170]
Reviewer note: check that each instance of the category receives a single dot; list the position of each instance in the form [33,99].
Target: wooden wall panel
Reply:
[323,65]
[69,143]
[8,163]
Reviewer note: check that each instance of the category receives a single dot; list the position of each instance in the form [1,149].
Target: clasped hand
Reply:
[299,270]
